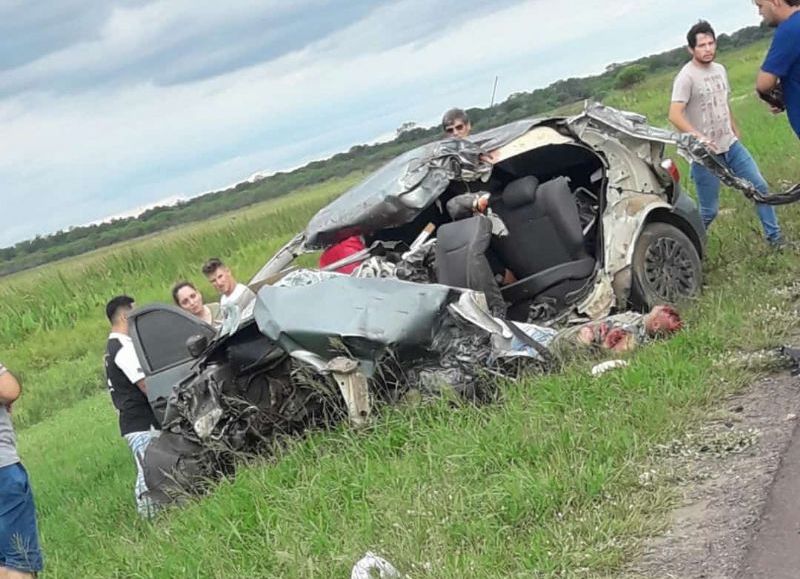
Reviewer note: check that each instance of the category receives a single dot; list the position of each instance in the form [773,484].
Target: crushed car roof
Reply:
[399,190]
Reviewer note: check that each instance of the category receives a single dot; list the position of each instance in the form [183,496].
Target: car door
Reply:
[159,333]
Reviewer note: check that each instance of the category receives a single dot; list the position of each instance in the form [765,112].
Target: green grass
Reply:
[543,483]
[52,322]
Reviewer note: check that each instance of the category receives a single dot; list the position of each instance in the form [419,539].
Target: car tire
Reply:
[666,267]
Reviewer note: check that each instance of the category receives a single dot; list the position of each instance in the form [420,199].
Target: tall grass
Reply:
[52,320]
[543,484]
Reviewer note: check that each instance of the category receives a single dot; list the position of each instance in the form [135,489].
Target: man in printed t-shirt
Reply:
[778,82]
[137,422]
[700,106]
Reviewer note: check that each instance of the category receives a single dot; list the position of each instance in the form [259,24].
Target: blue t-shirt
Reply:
[783,60]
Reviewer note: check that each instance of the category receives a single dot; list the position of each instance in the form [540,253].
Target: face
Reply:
[122,317]
[766,10]
[459,129]
[706,49]
[662,321]
[190,300]
[222,280]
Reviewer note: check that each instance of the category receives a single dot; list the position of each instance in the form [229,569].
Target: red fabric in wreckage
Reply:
[341,250]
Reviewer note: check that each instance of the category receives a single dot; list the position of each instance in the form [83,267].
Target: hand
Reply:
[707,142]
[481,203]
[774,98]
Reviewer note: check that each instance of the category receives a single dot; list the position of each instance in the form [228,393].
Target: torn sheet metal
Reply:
[694,151]
[472,307]
[277,263]
[600,300]
[396,193]
[622,222]
[353,316]
[689,147]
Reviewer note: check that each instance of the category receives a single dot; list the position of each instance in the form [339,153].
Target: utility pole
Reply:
[494,91]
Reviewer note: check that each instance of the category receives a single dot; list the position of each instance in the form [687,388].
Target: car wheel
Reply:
[666,267]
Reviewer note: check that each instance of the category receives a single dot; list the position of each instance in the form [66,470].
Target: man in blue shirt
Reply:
[780,72]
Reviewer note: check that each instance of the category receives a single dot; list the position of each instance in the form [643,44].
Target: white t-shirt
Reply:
[126,359]
[242,297]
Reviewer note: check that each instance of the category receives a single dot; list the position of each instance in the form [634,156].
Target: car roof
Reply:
[394,194]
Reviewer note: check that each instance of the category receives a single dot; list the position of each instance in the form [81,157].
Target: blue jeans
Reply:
[741,164]
[19,538]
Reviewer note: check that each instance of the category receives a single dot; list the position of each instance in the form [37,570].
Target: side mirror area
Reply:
[196,345]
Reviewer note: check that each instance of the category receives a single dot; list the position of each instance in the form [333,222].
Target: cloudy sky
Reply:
[109,106]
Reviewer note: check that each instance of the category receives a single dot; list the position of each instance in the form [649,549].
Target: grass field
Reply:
[544,483]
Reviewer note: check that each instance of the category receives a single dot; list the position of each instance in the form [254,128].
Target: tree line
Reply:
[75,241]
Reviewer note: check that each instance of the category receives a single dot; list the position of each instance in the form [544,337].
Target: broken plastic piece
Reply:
[353,385]
[371,566]
[604,367]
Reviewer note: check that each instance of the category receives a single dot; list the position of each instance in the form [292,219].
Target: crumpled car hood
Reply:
[362,317]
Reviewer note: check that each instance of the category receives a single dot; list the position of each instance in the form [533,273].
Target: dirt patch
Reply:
[725,472]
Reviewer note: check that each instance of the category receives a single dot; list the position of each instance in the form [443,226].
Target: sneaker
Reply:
[778,244]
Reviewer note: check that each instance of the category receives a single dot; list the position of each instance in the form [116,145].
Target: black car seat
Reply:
[545,246]
[461,259]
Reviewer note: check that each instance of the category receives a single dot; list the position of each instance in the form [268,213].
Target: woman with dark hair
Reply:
[186,297]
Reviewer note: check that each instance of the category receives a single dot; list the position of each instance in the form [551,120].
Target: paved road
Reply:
[775,550]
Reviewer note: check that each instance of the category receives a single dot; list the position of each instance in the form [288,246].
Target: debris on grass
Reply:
[370,566]
[608,365]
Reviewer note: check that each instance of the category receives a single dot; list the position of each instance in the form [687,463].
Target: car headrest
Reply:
[520,192]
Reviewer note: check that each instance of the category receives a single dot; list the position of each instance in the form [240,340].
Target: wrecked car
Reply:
[593,212]
[288,367]
[585,216]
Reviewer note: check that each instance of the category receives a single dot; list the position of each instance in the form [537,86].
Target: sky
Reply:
[111,106]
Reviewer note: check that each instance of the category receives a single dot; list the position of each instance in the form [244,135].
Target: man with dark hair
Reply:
[20,557]
[455,122]
[778,81]
[232,294]
[700,106]
[137,422]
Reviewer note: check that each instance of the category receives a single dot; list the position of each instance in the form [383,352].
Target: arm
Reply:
[768,89]
[9,387]
[734,126]
[677,116]
[142,386]
[681,95]
[127,361]
[782,55]
[765,82]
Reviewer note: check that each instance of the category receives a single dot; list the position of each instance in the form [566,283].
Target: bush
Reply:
[630,75]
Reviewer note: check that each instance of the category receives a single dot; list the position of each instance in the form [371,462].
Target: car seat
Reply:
[544,247]
[461,260]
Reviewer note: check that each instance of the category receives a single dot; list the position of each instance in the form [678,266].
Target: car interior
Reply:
[550,200]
